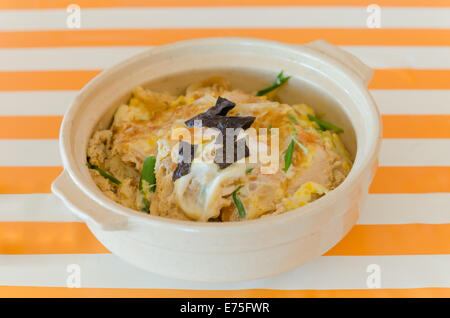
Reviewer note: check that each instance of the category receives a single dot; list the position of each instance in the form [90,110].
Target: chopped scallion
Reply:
[148,173]
[320,115]
[280,80]
[103,173]
[290,152]
[305,150]
[147,182]
[325,125]
[288,156]
[293,127]
[239,205]
[292,118]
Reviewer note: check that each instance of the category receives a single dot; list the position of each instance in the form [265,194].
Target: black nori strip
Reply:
[215,117]
[222,122]
[222,107]
[223,158]
[235,122]
[184,159]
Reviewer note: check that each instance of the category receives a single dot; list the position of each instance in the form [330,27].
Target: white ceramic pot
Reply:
[323,76]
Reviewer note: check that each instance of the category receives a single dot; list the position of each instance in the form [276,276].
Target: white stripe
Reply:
[415,57]
[30,152]
[237,17]
[412,102]
[379,208]
[80,58]
[327,272]
[415,152]
[35,103]
[34,208]
[394,152]
[432,208]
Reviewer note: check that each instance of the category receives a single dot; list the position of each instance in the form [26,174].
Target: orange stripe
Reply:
[53,4]
[76,79]
[394,126]
[75,237]
[411,180]
[30,127]
[27,179]
[142,37]
[47,238]
[416,126]
[63,292]
[410,79]
[45,80]
[394,239]
[387,179]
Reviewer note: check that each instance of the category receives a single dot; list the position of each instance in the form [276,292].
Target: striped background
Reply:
[404,227]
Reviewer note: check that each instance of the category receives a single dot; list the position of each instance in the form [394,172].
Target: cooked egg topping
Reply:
[311,160]
[205,190]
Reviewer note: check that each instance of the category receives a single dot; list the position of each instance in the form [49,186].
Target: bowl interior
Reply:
[297,90]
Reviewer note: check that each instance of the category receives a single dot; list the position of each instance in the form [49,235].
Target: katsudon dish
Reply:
[216,153]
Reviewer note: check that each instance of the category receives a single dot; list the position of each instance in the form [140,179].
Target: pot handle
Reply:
[85,208]
[361,70]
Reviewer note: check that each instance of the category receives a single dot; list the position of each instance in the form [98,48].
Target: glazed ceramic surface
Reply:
[324,77]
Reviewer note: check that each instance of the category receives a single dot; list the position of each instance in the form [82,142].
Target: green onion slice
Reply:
[321,115]
[290,151]
[292,118]
[103,173]
[240,207]
[280,80]
[148,173]
[305,150]
[146,203]
[325,125]
[249,170]
[147,182]
[288,156]
[293,127]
